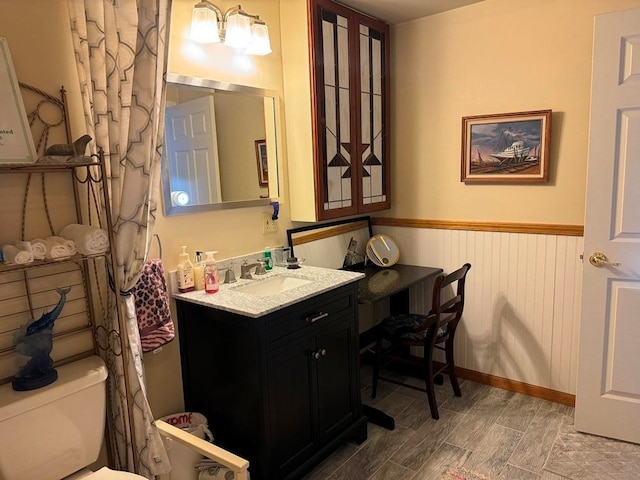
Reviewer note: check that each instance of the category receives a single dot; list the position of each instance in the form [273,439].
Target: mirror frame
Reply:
[178,79]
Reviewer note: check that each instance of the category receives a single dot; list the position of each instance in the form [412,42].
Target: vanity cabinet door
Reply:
[291,400]
[337,386]
[351,54]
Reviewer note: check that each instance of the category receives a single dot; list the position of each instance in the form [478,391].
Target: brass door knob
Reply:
[598,259]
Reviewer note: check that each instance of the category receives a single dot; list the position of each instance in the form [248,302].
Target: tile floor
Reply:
[503,435]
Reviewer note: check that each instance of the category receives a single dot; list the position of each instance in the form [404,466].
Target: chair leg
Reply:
[428,381]
[376,367]
[451,369]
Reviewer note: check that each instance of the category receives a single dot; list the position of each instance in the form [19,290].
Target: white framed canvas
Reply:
[16,141]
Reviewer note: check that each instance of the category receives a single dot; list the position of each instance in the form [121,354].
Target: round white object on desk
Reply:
[382,250]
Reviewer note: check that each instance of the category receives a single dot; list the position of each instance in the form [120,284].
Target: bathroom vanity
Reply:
[276,374]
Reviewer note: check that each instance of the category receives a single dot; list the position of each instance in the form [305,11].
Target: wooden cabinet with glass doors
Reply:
[337,110]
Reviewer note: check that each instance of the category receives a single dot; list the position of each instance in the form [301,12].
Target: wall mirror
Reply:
[220,146]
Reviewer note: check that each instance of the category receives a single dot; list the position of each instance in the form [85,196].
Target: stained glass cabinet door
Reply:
[351,58]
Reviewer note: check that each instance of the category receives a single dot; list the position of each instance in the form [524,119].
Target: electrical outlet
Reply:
[268,224]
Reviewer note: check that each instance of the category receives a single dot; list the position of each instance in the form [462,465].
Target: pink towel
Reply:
[152,307]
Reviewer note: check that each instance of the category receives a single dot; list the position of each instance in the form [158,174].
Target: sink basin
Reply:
[272,286]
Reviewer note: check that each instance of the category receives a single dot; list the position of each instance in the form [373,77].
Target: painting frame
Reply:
[515,147]
[16,141]
[262,162]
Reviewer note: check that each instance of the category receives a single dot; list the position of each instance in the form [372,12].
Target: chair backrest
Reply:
[448,312]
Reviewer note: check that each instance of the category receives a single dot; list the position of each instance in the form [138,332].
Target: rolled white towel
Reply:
[19,253]
[39,249]
[70,244]
[88,239]
[55,249]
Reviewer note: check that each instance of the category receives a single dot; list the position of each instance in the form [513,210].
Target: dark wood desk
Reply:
[393,283]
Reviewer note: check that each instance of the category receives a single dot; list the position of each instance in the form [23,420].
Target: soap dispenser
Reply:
[211,280]
[198,272]
[185,272]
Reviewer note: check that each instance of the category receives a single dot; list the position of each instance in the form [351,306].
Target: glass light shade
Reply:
[238,32]
[204,25]
[260,43]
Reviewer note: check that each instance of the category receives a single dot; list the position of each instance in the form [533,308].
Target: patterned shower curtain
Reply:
[121,51]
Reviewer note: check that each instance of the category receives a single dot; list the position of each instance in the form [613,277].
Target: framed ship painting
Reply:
[506,147]
[16,142]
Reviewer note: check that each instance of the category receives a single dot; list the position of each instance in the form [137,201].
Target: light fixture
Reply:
[236,28]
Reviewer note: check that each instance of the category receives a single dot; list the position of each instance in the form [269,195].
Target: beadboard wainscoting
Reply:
[522,308]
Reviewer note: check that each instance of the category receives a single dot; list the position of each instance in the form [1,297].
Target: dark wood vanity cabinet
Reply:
[281,390]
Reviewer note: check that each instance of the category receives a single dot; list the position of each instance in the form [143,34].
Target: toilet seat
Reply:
[104,474]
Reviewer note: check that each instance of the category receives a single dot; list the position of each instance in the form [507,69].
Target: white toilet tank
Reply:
[54,431]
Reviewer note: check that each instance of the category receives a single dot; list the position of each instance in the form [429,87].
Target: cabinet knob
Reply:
[316,355]
[323,352]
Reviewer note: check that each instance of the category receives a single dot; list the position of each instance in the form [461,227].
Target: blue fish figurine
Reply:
[48,318]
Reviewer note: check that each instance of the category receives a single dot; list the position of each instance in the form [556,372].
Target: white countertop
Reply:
[323,280]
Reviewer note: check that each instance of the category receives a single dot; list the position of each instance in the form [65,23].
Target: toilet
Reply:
[55,432]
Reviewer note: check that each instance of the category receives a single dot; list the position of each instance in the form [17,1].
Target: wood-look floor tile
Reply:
[445,457]
[490,456]
[390,470]
[378,448]
[330,464]
[519,411]
[552,476]
[471,393]
[534,448]
[477,421]
[514,473]
[394,403]
[421,444]
[558,408]
[384,389]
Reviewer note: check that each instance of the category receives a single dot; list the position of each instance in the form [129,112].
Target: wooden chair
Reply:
[437,329]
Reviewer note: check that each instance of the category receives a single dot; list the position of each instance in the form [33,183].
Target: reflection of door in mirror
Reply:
[192,152]
[209,158]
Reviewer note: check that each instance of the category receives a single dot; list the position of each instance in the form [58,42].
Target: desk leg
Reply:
[399,302]
[378,417]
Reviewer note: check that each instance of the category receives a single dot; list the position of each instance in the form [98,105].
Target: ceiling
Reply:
[398,11]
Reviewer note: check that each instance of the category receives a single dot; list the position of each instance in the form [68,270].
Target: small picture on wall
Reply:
[506,147]
[263,166]
[16,142]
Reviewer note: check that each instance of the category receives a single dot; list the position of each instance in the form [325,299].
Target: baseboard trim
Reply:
[518,387]
[509,227]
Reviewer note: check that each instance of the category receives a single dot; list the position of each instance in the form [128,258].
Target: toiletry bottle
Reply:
[198,272]
[211,281]
[185,272]
[268,261]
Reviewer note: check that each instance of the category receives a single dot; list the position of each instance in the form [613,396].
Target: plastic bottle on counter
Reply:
[185,272]
[268,261]
[211,279]
[198,272]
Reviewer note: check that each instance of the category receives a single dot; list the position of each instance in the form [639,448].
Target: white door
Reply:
[608,390]
[192,150]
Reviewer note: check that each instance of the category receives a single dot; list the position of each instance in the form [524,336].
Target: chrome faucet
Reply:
[245,269]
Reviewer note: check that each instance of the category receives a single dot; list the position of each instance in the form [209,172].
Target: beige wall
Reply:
[495,56]
[230,232]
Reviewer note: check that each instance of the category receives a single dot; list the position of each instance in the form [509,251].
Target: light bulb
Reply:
[238,32]
[204,25]
[260,43]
